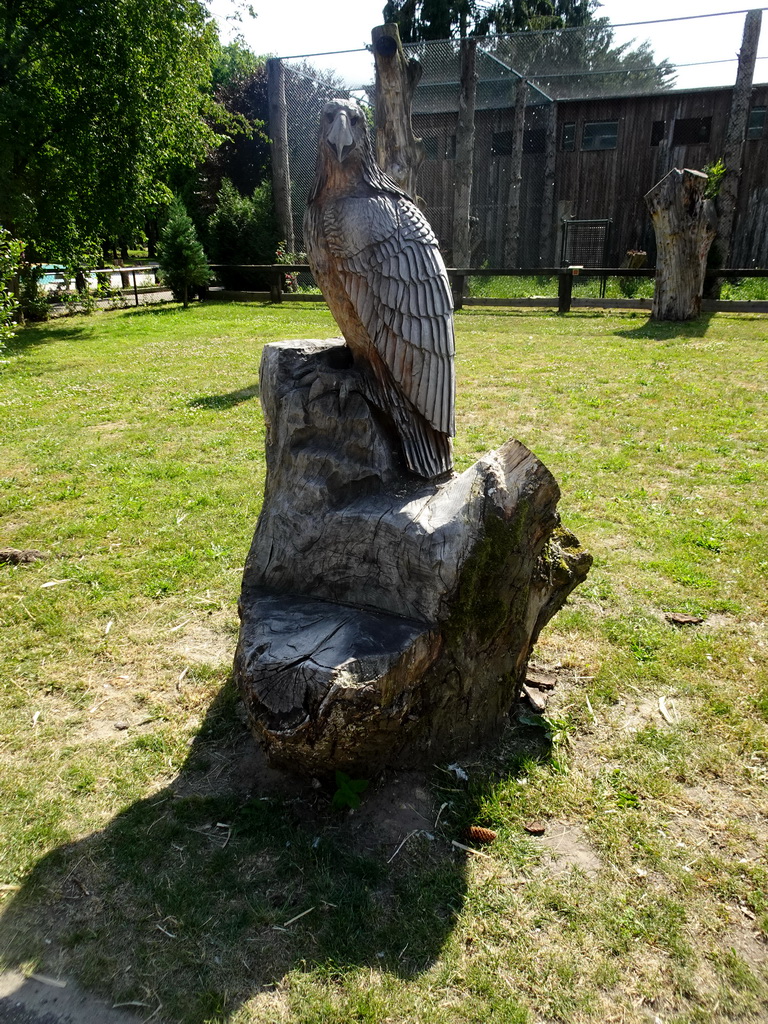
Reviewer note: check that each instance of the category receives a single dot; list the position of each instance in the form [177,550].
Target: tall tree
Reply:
[534,43]
[240,86]
[99,103]
[421,20]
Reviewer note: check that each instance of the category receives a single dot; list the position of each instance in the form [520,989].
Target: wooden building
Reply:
[588,159]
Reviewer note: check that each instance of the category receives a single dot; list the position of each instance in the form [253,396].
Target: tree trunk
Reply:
[685,226]
[512,233]
[547,248]
[398,152]
[465,148]
[152,233]
[727,199]
[278,129]
[383,621]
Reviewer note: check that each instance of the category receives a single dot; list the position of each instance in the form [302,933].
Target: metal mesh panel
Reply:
[306,92]
[602,125]
[585,243]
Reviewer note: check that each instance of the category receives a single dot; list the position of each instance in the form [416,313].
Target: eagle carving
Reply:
[376,259]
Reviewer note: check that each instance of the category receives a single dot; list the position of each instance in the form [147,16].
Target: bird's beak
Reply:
[340,137]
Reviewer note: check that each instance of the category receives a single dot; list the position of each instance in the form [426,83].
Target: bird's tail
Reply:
[427,452]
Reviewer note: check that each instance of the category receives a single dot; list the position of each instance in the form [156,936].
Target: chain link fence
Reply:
[603,123]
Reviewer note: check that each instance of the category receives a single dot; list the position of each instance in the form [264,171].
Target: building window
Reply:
[600,135]
[501,144]
[756,123]
[691,131]
[568,138]
[658,131]
[435,151]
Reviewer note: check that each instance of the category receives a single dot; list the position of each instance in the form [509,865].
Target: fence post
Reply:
[564,290]
[734,140]
[465,147]
[135,289]
[547,254]
[457,288]
[276,286]
[514,193]
[278,130]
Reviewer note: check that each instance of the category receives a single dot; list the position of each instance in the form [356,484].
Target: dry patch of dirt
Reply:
[634,714]
[112,428]
[202,645]
[568,847]
[399,806]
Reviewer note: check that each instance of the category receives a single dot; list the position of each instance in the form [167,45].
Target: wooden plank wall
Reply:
[490,185]
[612,183]
[594,184]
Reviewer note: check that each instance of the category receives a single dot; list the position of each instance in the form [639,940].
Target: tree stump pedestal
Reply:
[386,620]
[685,225]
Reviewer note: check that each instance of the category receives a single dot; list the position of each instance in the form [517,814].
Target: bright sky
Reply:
[307,27]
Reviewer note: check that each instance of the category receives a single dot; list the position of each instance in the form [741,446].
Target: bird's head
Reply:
[345,158]
[343,130]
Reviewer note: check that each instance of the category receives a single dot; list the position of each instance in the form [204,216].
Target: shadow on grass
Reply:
[32,335]
[669,330]
[227,401]
[161,309]
[207,893]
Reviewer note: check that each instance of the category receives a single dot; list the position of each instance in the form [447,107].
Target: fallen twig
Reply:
[45,980]
[299,917]
[437,819]
[664,712]
[468,849]
[402,844]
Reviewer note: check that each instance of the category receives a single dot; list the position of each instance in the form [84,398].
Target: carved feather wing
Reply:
[390,268]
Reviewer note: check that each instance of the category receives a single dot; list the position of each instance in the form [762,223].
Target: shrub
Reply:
[243,230]
[183,266]
[10,258]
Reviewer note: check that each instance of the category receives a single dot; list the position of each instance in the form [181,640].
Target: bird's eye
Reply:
[353,121]
[329,118]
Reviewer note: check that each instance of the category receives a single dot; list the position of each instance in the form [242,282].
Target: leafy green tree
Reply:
[240,87]
[421,20]
[183,265]
[100,105]
[243,230]
[525,34]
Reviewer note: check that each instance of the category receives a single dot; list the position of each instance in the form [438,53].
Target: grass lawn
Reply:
[149,853]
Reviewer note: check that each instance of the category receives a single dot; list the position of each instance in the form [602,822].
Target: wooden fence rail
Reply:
[564,300]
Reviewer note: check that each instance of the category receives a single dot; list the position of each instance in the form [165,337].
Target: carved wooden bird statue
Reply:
[376,259]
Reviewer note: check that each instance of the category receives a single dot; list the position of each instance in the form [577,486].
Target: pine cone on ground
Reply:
[478,834]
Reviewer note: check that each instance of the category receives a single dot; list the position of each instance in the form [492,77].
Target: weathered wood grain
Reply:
[378,264]
[685,226]
[735,137]
[465,148]
[383,620]
[399,152]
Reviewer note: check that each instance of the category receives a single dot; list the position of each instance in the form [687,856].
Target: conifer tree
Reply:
[182,261]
